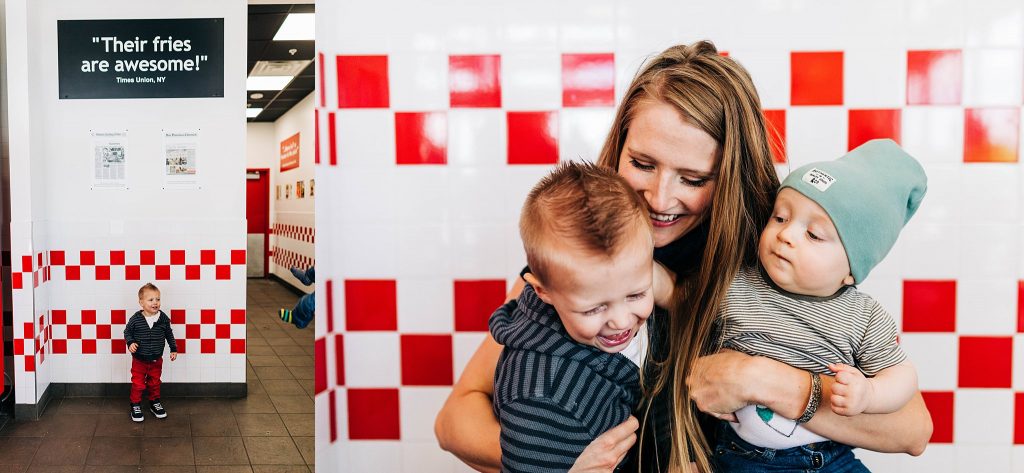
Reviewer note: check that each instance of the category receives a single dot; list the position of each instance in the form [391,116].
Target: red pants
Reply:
[145,374]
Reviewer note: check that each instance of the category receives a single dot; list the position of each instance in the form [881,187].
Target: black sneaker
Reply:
[137,413]
[157,409]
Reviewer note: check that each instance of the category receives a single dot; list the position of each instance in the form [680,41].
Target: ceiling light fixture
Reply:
[253,112]
[297,27]
[267,82]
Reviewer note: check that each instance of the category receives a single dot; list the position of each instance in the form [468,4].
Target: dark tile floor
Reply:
[271,430]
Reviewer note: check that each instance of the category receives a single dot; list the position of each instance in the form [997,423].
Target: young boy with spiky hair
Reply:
[144,335]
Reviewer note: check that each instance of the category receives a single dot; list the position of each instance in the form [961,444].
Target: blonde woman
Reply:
[689,137]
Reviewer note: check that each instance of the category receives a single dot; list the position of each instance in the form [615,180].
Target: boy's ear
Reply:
[848,280]
[542,293]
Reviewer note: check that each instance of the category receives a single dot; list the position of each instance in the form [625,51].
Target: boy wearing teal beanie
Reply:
[833,222]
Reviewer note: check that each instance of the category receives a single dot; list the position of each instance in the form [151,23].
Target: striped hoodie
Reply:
[553,396]
[150,340]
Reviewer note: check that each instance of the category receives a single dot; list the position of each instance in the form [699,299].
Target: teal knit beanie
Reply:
[870,193]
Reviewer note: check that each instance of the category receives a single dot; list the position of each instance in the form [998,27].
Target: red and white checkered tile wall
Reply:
[433,124]
[80,342]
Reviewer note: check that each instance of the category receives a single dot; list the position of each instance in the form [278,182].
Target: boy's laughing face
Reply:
[150,302]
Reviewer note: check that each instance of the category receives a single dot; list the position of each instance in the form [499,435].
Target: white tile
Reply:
[586,25]
[372,359]
[525,28]
[980,417]
[424,250]
[815,134]
[414,29]
[374,455]
[419,408]
[480,247]
[935,24]
[989,251]
[995,23]
[970,458]
[769,69]
[531,81]
[365,251]
[933,134]
[995,197]
[875,78]
[473,28]
[418,81]
[928,251]
[365,138]
[935,356]
[1017,459]
[425,305]
[942,203]
[992,77]
[464,345]
[420,197]
[474,197]
[426,456]
[477,137]
[638,30]
[581,132]
[888,291]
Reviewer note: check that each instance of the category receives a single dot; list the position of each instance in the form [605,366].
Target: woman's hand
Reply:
[608,449]
[718,383]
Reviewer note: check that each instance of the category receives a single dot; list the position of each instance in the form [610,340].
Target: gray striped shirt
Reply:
[759,318]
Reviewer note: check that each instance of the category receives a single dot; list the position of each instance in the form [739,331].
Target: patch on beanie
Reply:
[819,179]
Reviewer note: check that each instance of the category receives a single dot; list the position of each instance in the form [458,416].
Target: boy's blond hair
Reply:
[584,206]
[147,287]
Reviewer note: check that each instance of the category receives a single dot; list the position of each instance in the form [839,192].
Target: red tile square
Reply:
[89,347]
[208,346]
[208,256]
[929,306]
[58,317]
[371,305]
[177,316]
[120,317]
[87,257]
[26,264]
[475,301]
[72,273]
[866,125]
[74,331]
[60,347]
[208,316]
[181,345]
[329,289]
[427,360]
[1018,418]
[223,331]
[532,137]
[103,332]
[147,257]
[320,365]
[39,260]
[192,331]
[237,256]
[362,81]
[934,77]
[588,80]
[16,281]
[238,316]
[816,78]
[991,135]
[117,257]
[985,362]
[421,137]
[117,346]
[332,415]
[30,363]
[192,272]
[1020,306]
[89,316]
[163,272]
[339,358]
[28,330]
[223,272]
[57,258]
[177,256]
[238,345]
[102,273]
[373,414]
[132,273]
[19,346]
[332,139]
[940,406]
[474,81]
[775,123]
[323,86]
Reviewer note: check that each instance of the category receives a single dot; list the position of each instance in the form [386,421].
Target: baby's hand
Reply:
[851,393]
[174,356]
[133,347]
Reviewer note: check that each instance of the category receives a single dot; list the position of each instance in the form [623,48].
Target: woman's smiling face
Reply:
[671,164]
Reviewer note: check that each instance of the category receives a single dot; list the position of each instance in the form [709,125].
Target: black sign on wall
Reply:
[133,59]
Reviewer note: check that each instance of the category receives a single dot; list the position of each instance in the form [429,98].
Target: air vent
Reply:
[279,68]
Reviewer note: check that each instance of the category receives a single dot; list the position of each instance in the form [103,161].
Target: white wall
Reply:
[56,212]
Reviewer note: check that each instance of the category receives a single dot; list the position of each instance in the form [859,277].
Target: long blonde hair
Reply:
[713,93]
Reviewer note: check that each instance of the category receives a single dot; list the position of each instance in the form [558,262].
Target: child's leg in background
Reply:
[138,381]
[302,314]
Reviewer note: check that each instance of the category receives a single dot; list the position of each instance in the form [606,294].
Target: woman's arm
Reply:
[727,381]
